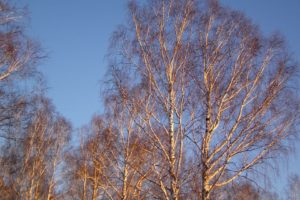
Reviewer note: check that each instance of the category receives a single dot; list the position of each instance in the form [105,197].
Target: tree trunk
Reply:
[124,189]
[84,183]
[95,185]
[174,191]
[205,149]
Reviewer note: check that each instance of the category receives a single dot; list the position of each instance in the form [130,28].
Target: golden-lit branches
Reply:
[18,53]
[208,86]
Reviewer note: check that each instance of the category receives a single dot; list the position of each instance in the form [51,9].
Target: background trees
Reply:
[32,135]
[18,53]
[29,166]
[18,58]
[90,167]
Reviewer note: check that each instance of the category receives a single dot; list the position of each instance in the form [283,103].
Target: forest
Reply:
[198,103]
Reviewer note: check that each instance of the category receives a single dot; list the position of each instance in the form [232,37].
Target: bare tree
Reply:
[91,166]
[30,165]
[110,162]
[135,151]
[18,58]
[246,101]
[32,134]
[203,76]
[157,52]
[18,53]
[59,138]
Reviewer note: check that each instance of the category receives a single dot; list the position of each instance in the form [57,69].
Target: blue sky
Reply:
[75,35]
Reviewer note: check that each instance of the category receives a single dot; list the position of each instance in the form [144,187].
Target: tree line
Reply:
[197,100]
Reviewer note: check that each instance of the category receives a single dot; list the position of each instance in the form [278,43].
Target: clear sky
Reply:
[75,35]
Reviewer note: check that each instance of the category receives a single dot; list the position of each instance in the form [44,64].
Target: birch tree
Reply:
[154,51]
[32,134]
[18,53]
[31,163]
[209,87]
[110,162]
[246,105]
[90,166]
[18,58]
